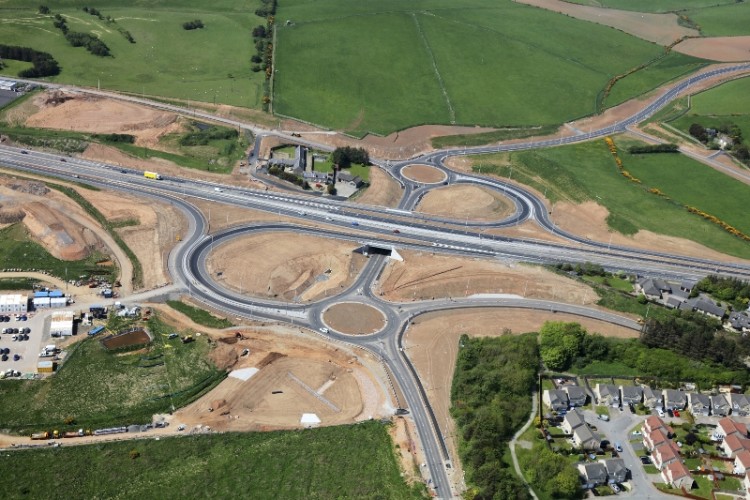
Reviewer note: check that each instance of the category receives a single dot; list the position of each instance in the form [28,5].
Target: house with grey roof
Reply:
[699,404]
[652,288]
[616,470]
[352,180]
[631,394]
[576,395]
[674,399]
[608,394]
[296,164]
[704,306]
[674,302]
[720,406]
[556,400]
[651,398]
[740,321]
[572,420]
[585,439]
[688,285]
[739,403]
[592,474]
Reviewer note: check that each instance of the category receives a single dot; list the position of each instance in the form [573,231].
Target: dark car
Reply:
[63,160]
[26,329]
[24,152]
[5,357]
[16,357]
[670,413]
[396,231]
[646,460]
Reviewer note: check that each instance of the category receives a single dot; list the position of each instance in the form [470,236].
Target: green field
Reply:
[101,388]
[313,464]
[200,316]
[717,106]
[499,63]
[18,250]
[653,5]
[163,61]
[587,172]
[730,19]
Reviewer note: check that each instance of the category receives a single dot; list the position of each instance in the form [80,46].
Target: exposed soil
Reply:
[126,339]
[423,173]
[423,276]
[383,190]
[354,319]
[432,345]
[303,268]
[462,201]
[725,48]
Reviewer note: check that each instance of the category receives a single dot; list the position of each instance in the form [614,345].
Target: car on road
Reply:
[63,160]
[24,152]
[16,357]
[324,330]
[660,412]
[396,231]
[618,447]
[181,427]
[218,190]
[123,171]
[670,413]
[355,223]
[646,460]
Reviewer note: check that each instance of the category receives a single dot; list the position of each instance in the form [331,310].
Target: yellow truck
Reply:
[152,175]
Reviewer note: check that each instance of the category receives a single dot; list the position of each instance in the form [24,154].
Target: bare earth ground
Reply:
[423,276]
[658,28]
[383,190]
[262,266]
[725,48]
[465,201]
[354,319]
[423,173]
[432,345]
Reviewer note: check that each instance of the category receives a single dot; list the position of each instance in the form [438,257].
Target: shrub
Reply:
[193,25]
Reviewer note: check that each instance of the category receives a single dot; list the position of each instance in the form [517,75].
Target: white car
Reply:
[660,412]
[324,330]
[218,190]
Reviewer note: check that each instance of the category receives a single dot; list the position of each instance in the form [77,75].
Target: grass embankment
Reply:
[157,64]
[315,463]
[17,283]
[200,316]
[19,251]
[100,388]
[491,63]
[505,134]
[587,172]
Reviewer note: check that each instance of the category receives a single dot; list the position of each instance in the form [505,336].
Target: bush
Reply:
[193,25]
[655,148]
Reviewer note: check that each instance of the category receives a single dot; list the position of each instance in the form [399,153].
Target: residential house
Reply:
[652,288]
[556,400]
[585,439]
[653,422]
[704,306]
[677,475]
[740,404]
[296,164]
[688,285]
[674,400]
[651,399]
[726,427]
[608,394]
[734,444]
[720,406]
[572,420]
[740,321]
[631,394]
[317,177]
[654,439]
[699,404]
[665,454]
[616,470]
[674,302]
[576,395]
[352,180]
[593,474]
[746,484]
[742,462]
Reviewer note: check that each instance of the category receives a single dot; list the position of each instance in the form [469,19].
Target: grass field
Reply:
[717,106]
[101,388]
[163,60]
[480,63]
[729,19]
[653,5]
[313,464]
[588,172]
[18,250]
[200,316]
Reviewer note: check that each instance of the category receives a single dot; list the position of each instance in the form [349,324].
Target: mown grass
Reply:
[587,172]
[17,283]
[158,63]
[500,64]
[19,251]
[200,316]
[715,107]
[313,464]
[729,19]
[100,388]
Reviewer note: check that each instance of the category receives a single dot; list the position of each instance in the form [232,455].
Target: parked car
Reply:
[670,413]
[660,412]
[646,460]
[676,413]
[4,357]
[615,488]
[618,447]
[16,357]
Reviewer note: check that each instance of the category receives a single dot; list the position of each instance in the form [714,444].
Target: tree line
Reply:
[733,290]
[653,148]
[92,43]
[346,156]
[109,20]
[43,63]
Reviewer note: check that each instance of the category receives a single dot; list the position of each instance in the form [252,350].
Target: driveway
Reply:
[617,431]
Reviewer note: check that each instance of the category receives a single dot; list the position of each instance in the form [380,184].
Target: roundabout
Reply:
[354,318]
[424,174]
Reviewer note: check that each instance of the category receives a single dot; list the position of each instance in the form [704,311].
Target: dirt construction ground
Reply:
[354,319]
[466,202]
[432,345]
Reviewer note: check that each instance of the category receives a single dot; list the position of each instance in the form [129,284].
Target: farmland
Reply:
[519,66]
[587,172]
[316,463]
[161,61]
[653,5]
[100,388]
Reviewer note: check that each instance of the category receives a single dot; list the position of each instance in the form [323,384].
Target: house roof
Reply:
[703,305]
[648,393]
[738,401]
[719,401]
[574,391]
[631,392]
[739,320]
[672,396]
[557,397]
[593,472]
[607,390]
[688,284]
[677,470]
[666,451]
[674,302]
[584,435]
[657,437]
[614,466]
[743,458]
[735,443]
[574,419]
[697,399]
[654,422]
[730,426]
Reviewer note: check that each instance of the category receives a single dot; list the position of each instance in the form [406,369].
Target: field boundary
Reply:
[441,83]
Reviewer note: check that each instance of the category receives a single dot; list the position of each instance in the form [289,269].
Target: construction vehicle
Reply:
[187,339]
[74,434]
[152,175]
[40,435]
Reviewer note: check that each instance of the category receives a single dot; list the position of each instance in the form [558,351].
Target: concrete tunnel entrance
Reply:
[376,249]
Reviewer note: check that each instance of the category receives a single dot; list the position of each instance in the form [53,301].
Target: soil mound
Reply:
[58,234]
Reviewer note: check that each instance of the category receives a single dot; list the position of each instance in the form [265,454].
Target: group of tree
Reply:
[561,343]
[193,25]
[92,43]
[585,269]
[110,20]
[286,176]
[43,63]
[653,148]
[346,156]
[733,290]
[491,398]
[267,9]
[731,130]
[262,40]
[117,138]
[550,473]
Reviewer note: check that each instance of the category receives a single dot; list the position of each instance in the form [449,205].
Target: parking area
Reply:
[28,351]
